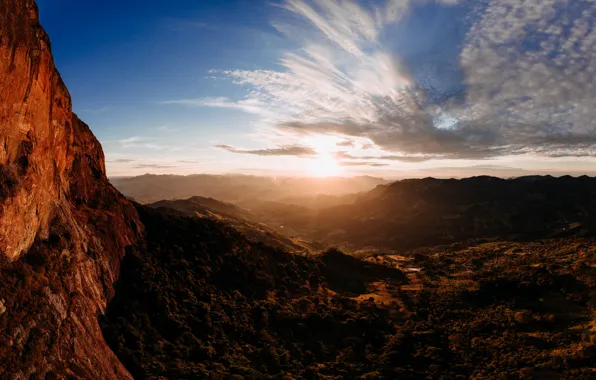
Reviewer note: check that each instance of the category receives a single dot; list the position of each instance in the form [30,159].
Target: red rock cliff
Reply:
[63,227]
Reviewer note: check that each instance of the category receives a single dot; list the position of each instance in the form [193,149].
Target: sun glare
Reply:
[325,166]
[322,144]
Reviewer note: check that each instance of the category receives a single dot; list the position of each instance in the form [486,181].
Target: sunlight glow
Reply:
[325,166]
[324,144]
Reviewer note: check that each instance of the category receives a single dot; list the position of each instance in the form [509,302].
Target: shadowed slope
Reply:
[413,213]
[201,301]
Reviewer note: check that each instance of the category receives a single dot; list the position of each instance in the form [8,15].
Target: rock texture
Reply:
[63,227]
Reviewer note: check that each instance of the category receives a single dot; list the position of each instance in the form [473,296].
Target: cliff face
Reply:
[63,227]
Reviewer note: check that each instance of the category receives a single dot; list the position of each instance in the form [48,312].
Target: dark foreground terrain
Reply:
[200,301]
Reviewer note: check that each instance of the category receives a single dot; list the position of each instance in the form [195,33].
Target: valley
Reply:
[524,309]
[232,277]
[408,214]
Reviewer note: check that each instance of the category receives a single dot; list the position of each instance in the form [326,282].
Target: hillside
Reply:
[418,212]
[200,301]
[203,206]
[241,220]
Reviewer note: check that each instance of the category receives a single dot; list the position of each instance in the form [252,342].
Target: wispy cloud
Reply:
[346,156]
[287,150]
[96,110]
[154,166]
[362,163]
[177,24]
[345,144]
[528,81]
[122,161]
[139,142]
[166,128]
[250,105]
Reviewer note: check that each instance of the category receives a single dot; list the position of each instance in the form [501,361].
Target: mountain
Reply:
[418,212]
[94,286]
[241,220]
[66,236]
[63,227]
[200,301]
[241,189]
[203,206]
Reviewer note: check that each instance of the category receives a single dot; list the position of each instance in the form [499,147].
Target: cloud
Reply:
[96,110]
[128,140]
[166,128]
[285,150]
[345,144]
[361,163]
[346,156]
[188,161]
[139,142]
[154,166]
[528,83]
[251,105]
[185,25]
[122,160]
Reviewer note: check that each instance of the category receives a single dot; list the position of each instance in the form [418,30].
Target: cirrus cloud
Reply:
[346,156]
[286,150]
[527,81]
[361,163]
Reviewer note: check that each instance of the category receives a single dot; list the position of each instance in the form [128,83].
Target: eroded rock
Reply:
[63,227]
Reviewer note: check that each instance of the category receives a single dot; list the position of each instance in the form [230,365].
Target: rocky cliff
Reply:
[63,227]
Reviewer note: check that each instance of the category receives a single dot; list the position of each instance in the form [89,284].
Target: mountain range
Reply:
[419,212]
[241,189]
[94,285]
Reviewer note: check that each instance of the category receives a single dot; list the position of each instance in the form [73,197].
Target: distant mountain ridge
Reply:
[418,212]
[239,189]
[203,206]
[238,218]
[413,213]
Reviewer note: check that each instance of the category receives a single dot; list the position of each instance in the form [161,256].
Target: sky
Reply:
[392,88]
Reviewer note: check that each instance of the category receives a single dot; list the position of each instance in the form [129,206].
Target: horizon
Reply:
[333,88]
[326,178]
[298,189]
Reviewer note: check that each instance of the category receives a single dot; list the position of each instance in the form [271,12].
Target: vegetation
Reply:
[31,322]
[240,219]
[414,213]
[202,301]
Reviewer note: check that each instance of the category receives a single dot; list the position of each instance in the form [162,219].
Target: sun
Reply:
[324,166]
[323,144]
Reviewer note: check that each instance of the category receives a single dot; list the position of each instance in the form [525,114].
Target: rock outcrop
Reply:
[63,227]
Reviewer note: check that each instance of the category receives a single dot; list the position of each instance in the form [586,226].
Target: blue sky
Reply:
[332,87]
